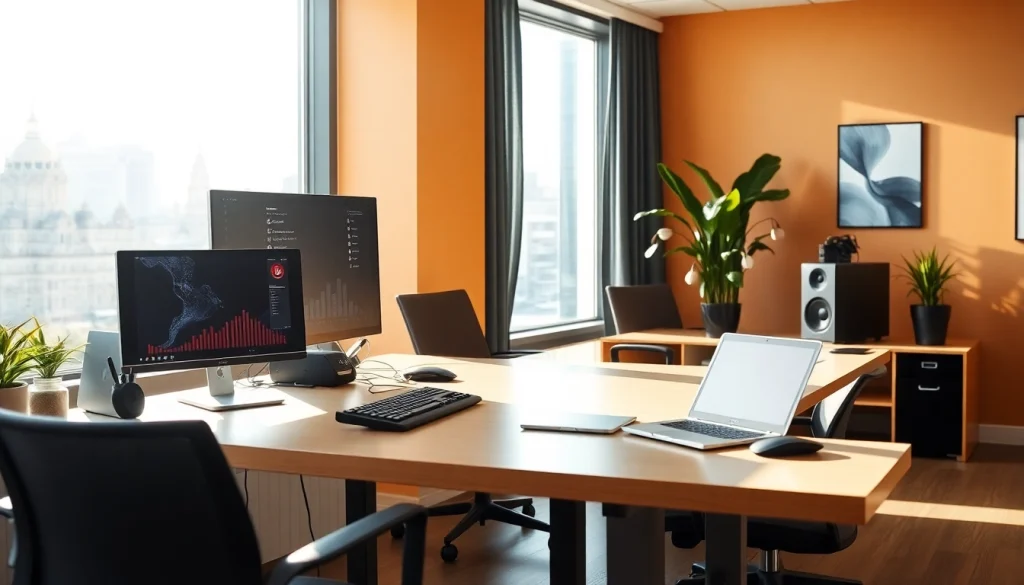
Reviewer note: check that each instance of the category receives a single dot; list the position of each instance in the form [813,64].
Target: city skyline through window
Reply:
[557,281]
[116,118]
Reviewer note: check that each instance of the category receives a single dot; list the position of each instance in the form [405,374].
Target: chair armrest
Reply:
[802,421]
[7,508]
[661,349]
[365,530]
[506,355]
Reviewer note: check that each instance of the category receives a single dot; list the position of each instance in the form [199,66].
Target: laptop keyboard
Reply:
[713,430]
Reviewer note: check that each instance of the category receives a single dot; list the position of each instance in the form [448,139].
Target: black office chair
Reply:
[642,307]
[122,503]
[829,419]
[445,324]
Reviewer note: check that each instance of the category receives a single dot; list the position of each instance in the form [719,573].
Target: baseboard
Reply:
[1001,434]
[428,497]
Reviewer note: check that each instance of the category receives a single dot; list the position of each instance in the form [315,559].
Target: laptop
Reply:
[568,422]
[96,384]
[750,392]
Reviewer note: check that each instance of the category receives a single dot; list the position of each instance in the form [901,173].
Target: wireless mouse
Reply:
[785,447]
[428,374]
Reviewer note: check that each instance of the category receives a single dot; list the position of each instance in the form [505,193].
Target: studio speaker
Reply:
[845,302]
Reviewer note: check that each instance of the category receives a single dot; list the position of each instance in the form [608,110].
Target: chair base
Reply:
[757,576]
[479,511]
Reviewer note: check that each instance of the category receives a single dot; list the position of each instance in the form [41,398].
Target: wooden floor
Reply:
[947,523]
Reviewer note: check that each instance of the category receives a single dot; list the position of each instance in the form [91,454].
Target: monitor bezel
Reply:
[125,286]
[338,334]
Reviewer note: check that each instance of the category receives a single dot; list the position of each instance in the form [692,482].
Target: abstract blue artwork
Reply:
[880,170]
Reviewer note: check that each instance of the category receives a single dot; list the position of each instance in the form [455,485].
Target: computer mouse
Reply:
[785,447]
[428,374]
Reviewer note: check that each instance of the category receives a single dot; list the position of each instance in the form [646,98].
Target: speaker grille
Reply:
[818,315]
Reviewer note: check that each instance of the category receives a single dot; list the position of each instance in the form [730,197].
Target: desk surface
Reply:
[483,448]
[698,337]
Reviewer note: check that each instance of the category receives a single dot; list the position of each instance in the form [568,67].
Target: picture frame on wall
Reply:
[1019,206]
[881,176]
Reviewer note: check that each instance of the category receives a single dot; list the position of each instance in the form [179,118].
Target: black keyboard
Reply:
[713,430]
[408,410]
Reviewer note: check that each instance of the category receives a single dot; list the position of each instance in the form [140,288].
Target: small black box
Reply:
[318,368]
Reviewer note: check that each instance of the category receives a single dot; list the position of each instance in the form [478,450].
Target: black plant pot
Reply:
[720,318]
[931,322]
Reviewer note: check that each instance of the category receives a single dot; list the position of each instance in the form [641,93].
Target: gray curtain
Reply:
[504,161]
[631,151]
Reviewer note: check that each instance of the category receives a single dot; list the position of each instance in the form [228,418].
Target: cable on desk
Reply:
[388,381]
[245,484]
[309,515]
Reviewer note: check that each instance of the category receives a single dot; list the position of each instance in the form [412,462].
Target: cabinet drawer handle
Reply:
[926,389]
[929,365]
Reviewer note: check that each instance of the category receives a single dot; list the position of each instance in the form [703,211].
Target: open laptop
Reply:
[751,391]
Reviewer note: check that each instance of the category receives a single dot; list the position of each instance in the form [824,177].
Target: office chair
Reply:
[829,419]
[122,503]
[444,324]
[641,307]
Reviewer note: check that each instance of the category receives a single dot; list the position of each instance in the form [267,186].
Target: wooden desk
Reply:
[483,449]
[691,346]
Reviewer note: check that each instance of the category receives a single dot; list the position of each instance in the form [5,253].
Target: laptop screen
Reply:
[755,382]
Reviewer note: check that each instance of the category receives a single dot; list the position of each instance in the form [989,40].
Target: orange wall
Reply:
[737,84]
[450,89]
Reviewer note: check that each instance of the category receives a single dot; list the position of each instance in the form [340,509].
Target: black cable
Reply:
[245,484]
[309,515]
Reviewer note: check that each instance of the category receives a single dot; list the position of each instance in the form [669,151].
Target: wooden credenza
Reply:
[933,397]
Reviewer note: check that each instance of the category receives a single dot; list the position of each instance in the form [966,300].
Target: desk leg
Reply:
[568,564]
[361,501]
[635,545]
[726,541]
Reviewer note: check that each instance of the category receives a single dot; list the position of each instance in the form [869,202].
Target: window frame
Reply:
[317,154]
[553,15]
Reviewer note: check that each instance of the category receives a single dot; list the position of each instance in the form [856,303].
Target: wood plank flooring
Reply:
[947,523]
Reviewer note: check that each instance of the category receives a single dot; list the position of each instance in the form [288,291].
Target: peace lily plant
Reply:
[717,236]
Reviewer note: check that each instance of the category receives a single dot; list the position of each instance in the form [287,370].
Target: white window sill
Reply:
[549,337]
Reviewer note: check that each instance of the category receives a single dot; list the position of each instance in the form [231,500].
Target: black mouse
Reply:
[428,374]
[785,447]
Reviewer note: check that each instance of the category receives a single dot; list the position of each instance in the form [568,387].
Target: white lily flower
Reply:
[778,233]
[650,251]
[691,277]
[747,262]
[664,234]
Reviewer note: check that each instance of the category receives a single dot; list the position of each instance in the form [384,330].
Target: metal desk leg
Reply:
[361,501]
[568,565]
[726,541]
[636,545]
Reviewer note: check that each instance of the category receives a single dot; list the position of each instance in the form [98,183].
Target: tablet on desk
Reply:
[570,422]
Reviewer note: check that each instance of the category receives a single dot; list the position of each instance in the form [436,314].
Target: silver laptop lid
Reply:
[755,382]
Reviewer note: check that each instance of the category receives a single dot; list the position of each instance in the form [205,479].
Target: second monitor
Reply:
[340,259]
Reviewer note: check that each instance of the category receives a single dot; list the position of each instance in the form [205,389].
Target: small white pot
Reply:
[48,397]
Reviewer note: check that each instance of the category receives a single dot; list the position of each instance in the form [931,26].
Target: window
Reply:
[558,265]
[116,118]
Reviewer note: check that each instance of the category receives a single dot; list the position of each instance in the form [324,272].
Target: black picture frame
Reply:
[920,171]
[1019,171]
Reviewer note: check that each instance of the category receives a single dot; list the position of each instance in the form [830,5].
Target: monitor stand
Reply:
[222,395]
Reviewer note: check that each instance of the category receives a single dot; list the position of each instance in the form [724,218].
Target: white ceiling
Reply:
[658,8]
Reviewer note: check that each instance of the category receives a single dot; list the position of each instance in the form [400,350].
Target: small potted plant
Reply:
[928,277]
[718,235]
[16,362]
[49,396]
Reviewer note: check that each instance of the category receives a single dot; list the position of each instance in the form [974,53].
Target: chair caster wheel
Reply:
[529,510]
[398,531]
[449,553]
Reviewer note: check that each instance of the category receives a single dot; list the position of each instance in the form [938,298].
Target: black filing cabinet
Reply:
[929,403]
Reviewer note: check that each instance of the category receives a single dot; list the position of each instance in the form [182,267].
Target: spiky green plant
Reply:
[50,358]
[17,353]
[928,276]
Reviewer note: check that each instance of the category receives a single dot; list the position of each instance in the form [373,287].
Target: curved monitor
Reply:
[206,308]
[340,258]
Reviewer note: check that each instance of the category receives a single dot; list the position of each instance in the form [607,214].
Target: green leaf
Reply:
[735,277]
[683,192]
[771,195]
[689,251]
[664,213]
[732,200]
[761,172]
[712,185]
